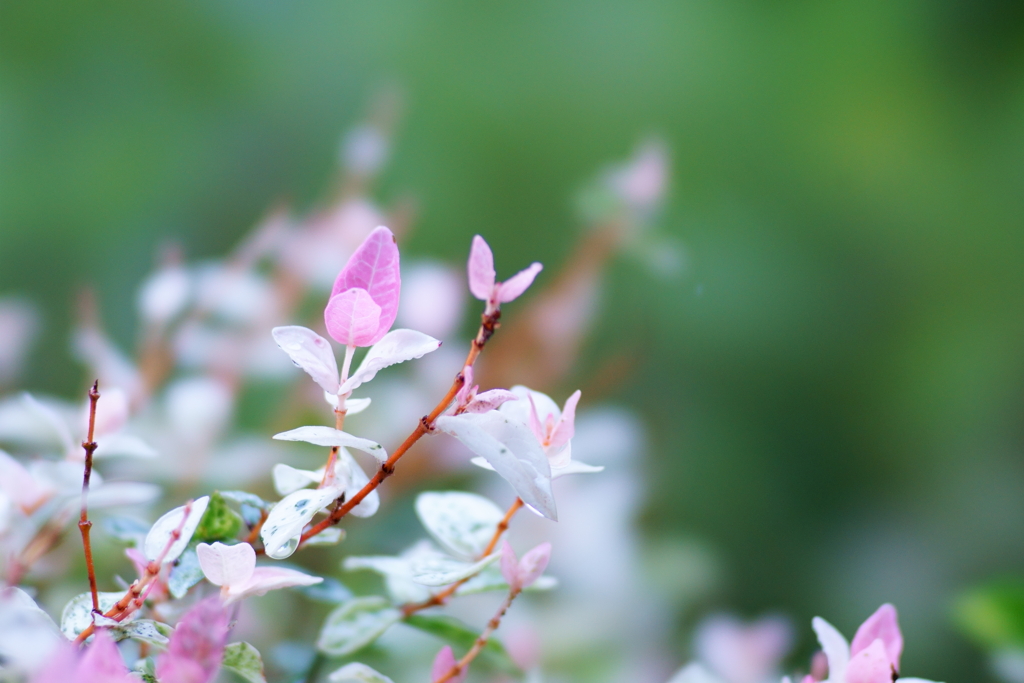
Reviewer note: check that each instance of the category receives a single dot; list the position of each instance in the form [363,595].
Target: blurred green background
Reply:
[834,385]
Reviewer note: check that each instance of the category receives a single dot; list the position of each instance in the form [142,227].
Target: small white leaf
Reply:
[288,479]
[311,352]
[350,471]
[328,436]
[511,449]
[244,660]
[442,571]
[355,624]
[77,614]
[160,533]
[463,523]
[353,406]
[397,346]
[357,673]
[281,531]
[120,444]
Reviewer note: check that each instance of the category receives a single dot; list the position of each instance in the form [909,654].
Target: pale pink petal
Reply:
[870,665]
[533,564]
[443,663]
[197,645]
[566,426]
[509,565]
[374,267]
[513,287]
[353,318]
[466,392]
[226,565]
[535,424]
[490,400]
[20,486]
[481,269]
[882,625]
[265,579]
[61,665]
[311,352]
[102,663]
[139,560]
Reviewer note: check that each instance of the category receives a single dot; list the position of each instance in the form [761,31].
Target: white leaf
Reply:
[463,523]
[123,445]
[122,493]
[77,614]
[397,346]
[575,467]
[349,471]
[281,531]
[311,352]
[328,436]
[160,533]
[288,479]
[353,406]
[27,633]
[511,449]
[443,571]
[836,649]
[355,624]
[357,673]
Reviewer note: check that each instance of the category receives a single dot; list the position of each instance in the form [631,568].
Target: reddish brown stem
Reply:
[339,423]
[442,597]
[84,525]
[481,640]
[488,325]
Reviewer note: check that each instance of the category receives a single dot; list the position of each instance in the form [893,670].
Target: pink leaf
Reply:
[535,424]
[481,269]
[443,663]
[465,394]
[197,645]
[61,665]
[102,662]
[533,564]
[490,400]
[265,579]
[513,287]
[881,625]
[226,565]
[353,318]
[566,426]
[374,267]
[509,565]
[870,665]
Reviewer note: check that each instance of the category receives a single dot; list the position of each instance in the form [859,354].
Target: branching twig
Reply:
[488,325]
[84,525]
[481,640]
[137,593]
[441,598]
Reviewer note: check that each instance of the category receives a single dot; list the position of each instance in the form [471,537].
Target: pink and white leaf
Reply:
[882,625]
[870,665]
[265,579]
[533,564]
[513,288]
[197,645]
[311,352]
[480,269]
[374,267]
[510,566]
[328,436]
[226,565]
[491,399]
[162,532]
[445,662]
[352,318]
[102,662]
[396,346]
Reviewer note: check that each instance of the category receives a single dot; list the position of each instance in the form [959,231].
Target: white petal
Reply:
[311,352]
[545,404]
[281,531]
[443,571]
[160,533]
[575,467]
[328,436]
[226,565]
[511,449]
[265,579]
[397,346]
[463,523]
[836,649]
[125,445]
[287,479]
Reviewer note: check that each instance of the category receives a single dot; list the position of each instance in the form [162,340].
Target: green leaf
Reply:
[462,636]
[219,522]
[244,660]
[185,573]
[144,630]
[993,614]
[357,673]
[355,624]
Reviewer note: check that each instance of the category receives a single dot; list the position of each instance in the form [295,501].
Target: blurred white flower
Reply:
[433,299]
[19,322]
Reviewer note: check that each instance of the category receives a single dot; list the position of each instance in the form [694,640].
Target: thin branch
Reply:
[441,598]
[481,640]
[84,525]
[488,326]
[137,593]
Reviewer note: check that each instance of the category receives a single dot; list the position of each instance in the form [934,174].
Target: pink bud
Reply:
[443,663]
[374,267]
[481,269]
[533,564]
[517,284]
[197,645]
[509,565]
[882,625]
[465,394]
[353,318]
[566,426]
